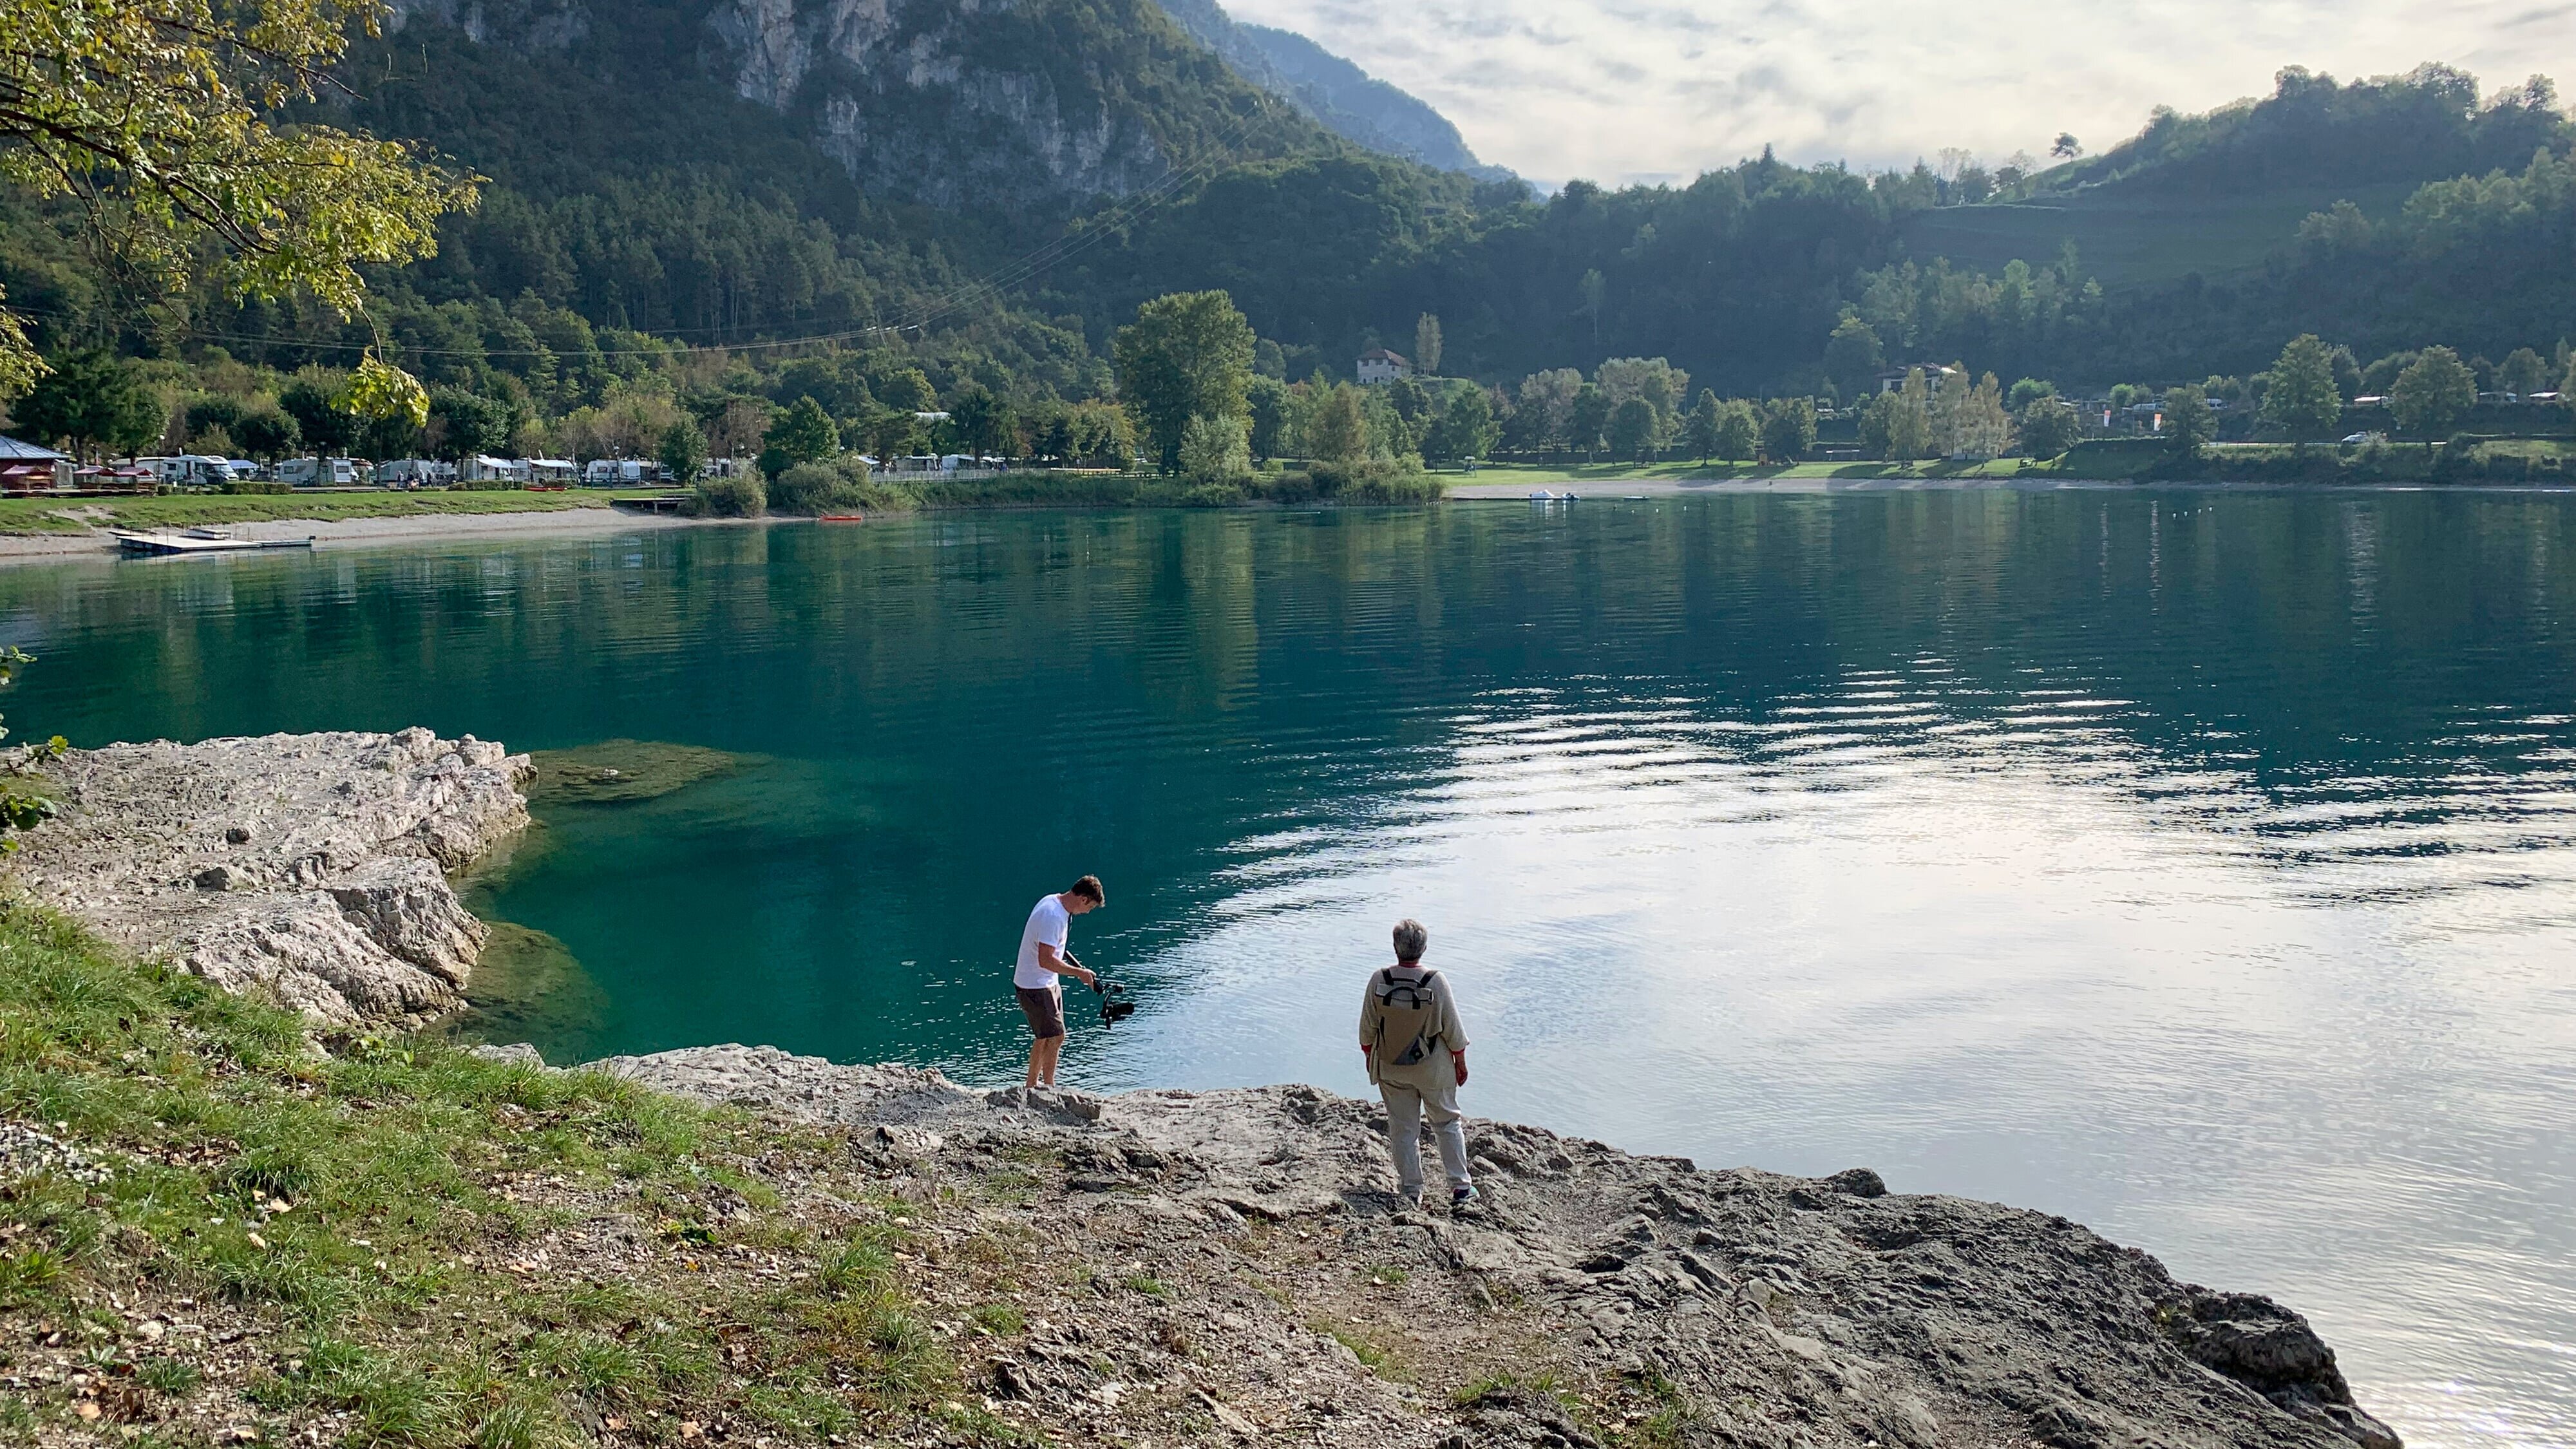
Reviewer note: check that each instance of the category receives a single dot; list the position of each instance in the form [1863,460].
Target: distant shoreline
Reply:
[1612,489]
[599,520]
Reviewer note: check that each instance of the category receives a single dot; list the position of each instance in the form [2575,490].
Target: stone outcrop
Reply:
[1785,1311]
[308,867]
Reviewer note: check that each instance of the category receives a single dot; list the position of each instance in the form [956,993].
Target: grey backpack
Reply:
[1405,1010]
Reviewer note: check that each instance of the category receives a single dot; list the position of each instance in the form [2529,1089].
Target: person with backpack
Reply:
[1416,1049]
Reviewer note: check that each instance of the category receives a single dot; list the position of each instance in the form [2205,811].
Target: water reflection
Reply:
[2199,866]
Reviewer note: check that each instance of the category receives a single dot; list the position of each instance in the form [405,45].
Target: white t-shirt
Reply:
[1047,923]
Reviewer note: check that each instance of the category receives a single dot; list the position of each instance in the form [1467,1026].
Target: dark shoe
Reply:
[1460,1197]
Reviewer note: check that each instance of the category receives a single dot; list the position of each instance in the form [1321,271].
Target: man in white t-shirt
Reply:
[1034,979]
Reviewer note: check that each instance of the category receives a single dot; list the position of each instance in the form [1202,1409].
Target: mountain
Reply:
[1340,96]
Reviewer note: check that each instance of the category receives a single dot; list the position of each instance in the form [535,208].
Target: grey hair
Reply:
[1410,939]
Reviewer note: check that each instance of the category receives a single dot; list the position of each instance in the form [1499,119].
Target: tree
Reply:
[2522,373]
[683,451]
[982,420]
[463,424]
[1426,345]
[2188,421]
[813,489]
[2066,147]
[2027,391]
[1267,399]
[2436,390]
[1899,423]
[1186,355]
[2303,400]
[1584,421]
[91,400]
[1593,289]
[1701,428]
[1738,431]
[803,434]
[267,433]
[1464,429]
[1338,432]
[1853,357]
[318,418]
[1788,428]
[2047,428]
[1634,430]
[156,120]
[1216,451]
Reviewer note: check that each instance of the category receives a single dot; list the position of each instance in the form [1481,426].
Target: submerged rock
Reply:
[619,772]
[310,867]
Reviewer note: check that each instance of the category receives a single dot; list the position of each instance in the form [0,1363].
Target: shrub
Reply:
[740,496]
[817,488]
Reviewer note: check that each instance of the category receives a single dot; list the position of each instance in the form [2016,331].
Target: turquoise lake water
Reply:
[2198,865]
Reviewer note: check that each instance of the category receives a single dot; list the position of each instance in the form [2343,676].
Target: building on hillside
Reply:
[26,468]
[1893,380]
[1379,365]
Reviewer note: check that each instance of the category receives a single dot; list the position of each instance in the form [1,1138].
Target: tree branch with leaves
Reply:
[162,120]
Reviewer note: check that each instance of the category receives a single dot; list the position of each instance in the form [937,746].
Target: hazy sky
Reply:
[1646,90]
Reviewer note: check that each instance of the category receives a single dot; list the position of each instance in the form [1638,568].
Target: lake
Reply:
[2199,865]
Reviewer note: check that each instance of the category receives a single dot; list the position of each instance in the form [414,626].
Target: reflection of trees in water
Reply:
[2213,611]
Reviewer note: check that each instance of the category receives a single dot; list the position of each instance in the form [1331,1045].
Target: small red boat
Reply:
[842,518]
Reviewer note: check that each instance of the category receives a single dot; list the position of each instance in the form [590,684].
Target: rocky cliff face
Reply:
[310,867]
[997,102]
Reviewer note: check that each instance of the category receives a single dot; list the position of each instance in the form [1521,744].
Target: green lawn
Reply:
[182,510]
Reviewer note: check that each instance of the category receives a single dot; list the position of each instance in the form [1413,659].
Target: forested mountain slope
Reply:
[1007,179]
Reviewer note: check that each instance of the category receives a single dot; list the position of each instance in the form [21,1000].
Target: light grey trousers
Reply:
[1406,1106]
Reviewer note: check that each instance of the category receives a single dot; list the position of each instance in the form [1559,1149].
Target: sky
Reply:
[1621,91]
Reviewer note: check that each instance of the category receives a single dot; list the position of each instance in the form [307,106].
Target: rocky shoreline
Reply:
[309,867]
[1273,1290]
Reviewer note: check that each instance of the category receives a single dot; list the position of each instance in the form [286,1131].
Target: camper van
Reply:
[318,472]
[191,470]
[415,473]
[622,473]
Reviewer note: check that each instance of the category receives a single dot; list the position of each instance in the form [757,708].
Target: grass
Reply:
[369,1212]
[179,510]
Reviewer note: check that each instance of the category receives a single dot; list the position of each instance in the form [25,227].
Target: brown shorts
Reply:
[1044,1007]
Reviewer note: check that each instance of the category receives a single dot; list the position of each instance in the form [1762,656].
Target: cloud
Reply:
[1622,90]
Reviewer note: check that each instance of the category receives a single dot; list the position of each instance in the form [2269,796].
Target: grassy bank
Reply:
[213,1234]
[190,510]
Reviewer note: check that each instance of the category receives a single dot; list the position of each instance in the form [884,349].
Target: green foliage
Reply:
[802,434]
[1216,451]
[2188,424]
[1788,428]
[1587,418]
[462,425]
[156,120]
[683,451]
[2027,391]
[1635,433]
[1269,402]
[1853,357]
[1700,429]
[2436,390]
[814,489]
[1739,431]
[739,496]
[1338,431]
[2303,400]
[1187,355]
[91,401]
[2046,428]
